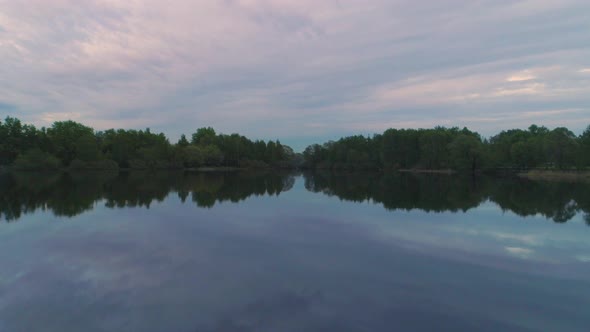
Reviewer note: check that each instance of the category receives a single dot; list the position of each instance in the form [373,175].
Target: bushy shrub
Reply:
[105,164]
[36,159]
[253,164]
[137,164]
[78,164]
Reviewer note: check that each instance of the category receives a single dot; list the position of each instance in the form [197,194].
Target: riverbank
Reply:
[216,169]
[561,176]
[129,169]
[428,171]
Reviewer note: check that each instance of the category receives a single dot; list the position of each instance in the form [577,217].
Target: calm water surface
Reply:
[292,252]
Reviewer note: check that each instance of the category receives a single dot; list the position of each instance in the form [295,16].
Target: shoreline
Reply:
[428,171]
[534,175]
[127,169]
[557,175]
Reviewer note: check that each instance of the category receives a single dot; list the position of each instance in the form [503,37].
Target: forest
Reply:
[455,149]
[68,144]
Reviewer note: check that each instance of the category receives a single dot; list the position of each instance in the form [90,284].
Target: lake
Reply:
[280,251]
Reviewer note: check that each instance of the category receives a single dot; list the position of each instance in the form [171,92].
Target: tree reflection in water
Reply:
[70,194]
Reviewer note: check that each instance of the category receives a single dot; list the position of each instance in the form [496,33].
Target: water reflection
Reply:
[70,194]
[558,201]
[302,261]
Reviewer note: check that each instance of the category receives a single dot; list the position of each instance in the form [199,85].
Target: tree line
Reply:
[76,146]
[454,148]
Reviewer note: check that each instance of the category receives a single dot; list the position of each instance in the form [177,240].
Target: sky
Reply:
[302,71]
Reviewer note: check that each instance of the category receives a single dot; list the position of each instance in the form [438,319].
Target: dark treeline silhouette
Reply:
[454,148]
[68,194]
[72,193]
[558,201]
[73,145]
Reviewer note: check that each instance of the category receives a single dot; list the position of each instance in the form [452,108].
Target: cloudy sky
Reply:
[298,70]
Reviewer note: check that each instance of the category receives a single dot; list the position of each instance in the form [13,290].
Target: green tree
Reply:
[212,155]
[12,140]
[467,152]
[182,142]
[522,155]
[561,147]
[204,136]
[195,156]
[584,148]
[87,149]
[36,159]
[67,137]
[433,147]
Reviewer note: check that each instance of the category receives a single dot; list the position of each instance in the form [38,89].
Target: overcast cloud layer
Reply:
[298,70]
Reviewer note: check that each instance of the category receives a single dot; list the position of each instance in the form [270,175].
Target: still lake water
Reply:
[227,252]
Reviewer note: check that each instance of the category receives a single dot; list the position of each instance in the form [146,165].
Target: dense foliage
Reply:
[71,144]
[453,148]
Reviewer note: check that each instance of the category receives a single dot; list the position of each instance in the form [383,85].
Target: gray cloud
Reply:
[7,107]
[298,70]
